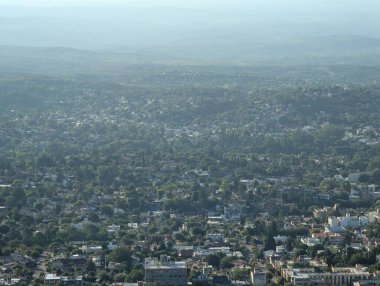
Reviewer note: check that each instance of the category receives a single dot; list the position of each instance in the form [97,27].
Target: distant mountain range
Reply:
[110,37]
[94,28]
[311,50]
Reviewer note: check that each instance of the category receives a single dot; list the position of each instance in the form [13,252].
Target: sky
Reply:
[136,3]
[350,8]
[364,5]
[192,25]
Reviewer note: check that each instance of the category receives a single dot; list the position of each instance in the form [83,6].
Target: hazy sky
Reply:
[306,7]
[364,5]
[211,24]
[144,3]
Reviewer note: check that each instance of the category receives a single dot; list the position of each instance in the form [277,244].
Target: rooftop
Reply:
[164,264]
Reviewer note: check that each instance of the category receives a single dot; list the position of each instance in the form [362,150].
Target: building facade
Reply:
[164,272]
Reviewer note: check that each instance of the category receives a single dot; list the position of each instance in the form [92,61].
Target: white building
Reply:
[333,225]
[349,221]
[373,216]
[310,241]
[165,272]
[338,276]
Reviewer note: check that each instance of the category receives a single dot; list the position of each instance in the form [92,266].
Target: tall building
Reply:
[165,272]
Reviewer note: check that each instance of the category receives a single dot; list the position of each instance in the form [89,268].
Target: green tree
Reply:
[269,242]
[135,275]
[213,260]
[121,255]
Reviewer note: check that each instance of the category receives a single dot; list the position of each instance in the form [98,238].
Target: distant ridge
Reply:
[330,50]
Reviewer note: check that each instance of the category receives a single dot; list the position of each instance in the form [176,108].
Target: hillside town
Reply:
[220,245]
[113,185]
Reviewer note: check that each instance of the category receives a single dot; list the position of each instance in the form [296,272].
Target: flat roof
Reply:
[51,276]
[155,264]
